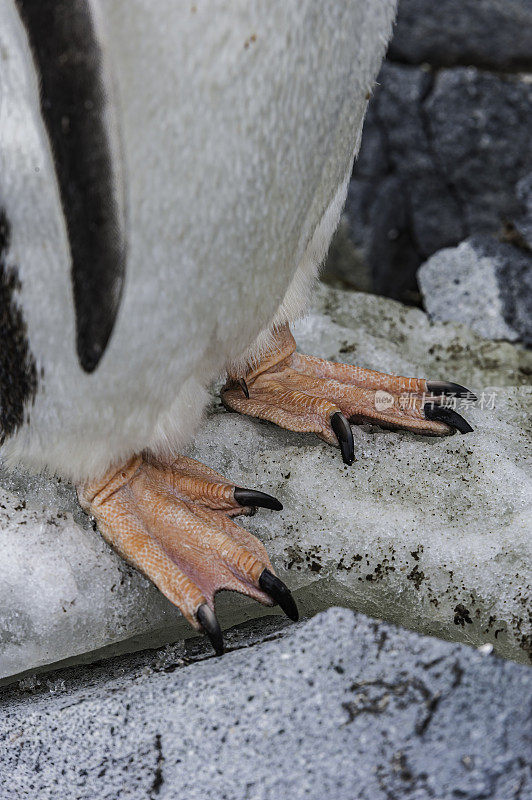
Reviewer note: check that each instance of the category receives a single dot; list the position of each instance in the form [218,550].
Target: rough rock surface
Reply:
[443,156]
[523,221]
[430,533]
[484,284]
[494,34]
[479,125]
[340,706]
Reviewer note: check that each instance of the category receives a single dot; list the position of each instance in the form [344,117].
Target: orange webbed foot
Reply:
[307,394]
[174,522]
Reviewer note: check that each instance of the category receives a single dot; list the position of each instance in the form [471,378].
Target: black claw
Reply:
[207,619]
[250,497]
[448,416]
[279,592]
[344,434]
[452,389]
[243,385]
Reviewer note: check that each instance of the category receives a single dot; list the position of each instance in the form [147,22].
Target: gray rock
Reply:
[523,221]
[483,283]
[399,206]
[429,533]
[479,125]
[340,707]
[440,159]
[494,34]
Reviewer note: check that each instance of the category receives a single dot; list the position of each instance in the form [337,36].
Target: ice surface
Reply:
[434,534]
[62,591]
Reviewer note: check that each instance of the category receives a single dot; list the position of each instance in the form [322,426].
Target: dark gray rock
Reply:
[479,126]
[441,156]
[523,221]
[494,34]
[483,283]
[340,707]
[396,182]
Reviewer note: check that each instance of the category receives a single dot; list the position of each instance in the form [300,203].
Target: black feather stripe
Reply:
[18,373]
[68,59]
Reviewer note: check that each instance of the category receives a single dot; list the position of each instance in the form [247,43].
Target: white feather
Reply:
[238,124]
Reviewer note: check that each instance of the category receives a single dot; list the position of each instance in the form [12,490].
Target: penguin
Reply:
[171,176]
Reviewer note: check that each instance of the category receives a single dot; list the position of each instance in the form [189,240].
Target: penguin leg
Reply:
[173,522]
[308,394]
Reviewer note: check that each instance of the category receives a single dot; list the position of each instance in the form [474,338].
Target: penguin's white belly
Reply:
[236,125]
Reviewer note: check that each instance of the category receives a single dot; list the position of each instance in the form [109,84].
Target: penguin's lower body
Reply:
[172,175]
